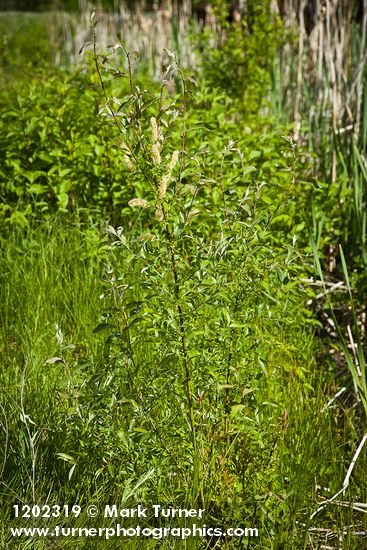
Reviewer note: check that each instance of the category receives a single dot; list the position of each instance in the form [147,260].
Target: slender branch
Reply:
[185,357]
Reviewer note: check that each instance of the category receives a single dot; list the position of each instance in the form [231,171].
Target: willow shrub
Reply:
[202,318]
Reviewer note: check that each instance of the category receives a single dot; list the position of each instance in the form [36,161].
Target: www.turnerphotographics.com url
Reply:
[113,512]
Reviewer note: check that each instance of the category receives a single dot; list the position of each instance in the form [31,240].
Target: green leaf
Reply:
[66,457]
[103,326]
[37,189]
[53,360]
[345,271]
[63,199]
[71,471]
[235,409]
[18,218]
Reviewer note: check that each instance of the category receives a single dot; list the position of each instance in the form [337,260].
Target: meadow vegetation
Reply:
[183,270]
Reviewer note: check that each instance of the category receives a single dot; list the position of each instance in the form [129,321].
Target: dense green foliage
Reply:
[60,155]
[158,337]
[241,63]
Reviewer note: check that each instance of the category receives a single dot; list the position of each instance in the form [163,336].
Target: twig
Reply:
[346,479]
[332,286]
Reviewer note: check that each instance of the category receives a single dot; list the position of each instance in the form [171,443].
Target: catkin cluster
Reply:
[157,139]
[163,184]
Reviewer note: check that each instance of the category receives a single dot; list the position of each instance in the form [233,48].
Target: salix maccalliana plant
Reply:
[145,122]
[195,286]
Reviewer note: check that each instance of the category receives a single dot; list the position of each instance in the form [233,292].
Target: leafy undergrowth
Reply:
[157,335]
[95,408]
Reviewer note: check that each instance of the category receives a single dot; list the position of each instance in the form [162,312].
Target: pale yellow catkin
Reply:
[192,213]
[156,155]
[163,184]
[138,202]
[173,161]
[154,127]
[159,213]
[128,163]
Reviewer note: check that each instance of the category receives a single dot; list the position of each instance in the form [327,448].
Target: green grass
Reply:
[52,274]
[177,359]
